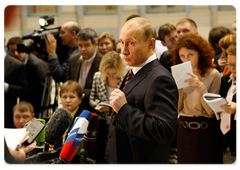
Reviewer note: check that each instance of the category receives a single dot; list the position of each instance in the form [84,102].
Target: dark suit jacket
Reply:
[144,127]
[15,76]
[229,139]
[36,72]
[73,74]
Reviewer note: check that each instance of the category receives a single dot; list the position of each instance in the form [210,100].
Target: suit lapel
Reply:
[77,68]
[138,77]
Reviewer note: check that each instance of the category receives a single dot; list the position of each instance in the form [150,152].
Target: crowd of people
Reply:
[128,83]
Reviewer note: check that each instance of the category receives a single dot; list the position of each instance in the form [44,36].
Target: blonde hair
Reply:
[227,40]
[192,23]
[108,35]
[72,86]
[112,60]
[231,50]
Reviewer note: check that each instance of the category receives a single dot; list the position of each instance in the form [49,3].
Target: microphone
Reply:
[40,141]
[42,156]
[74,137]
[57,125]
[90,137]
[89,140]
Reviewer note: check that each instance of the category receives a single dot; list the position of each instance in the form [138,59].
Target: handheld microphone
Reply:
[41,137]
[75,137]
[57,125]
[90,137]
[40,141]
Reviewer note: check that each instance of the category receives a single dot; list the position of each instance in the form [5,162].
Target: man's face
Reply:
[65,35]
[21,118]
[13,52]
[183,28]
[86,48]
[170,39]
[134,48]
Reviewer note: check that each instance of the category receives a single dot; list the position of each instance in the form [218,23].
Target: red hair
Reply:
[197,43]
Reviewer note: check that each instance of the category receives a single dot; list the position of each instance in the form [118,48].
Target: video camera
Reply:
[38,46]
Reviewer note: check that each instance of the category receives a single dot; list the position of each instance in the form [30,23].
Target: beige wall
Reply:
[202,15]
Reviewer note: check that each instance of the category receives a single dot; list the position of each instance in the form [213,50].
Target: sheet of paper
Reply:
[105,103]
[13,136]
[179,73]
[214,101]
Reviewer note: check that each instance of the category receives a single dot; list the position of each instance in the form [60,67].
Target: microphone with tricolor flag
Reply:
[75,137]
[89,139]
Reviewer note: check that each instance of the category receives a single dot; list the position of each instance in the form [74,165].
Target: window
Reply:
[226,8]
[100,9]
[165,8]
[39,10]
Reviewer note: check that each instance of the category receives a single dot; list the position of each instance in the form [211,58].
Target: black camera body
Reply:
[38,45]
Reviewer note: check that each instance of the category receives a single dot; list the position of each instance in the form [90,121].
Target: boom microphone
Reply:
[57,125]
[75,137]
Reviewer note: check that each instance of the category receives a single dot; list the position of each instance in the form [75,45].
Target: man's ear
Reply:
[74,33]
[152,43]
[96,44]
[33,115]
[163,43]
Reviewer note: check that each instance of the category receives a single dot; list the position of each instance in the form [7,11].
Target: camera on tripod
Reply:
[38,46]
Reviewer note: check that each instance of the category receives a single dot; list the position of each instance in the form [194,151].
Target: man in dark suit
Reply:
[36,72]
[145,118]
[14,86]
[82,67]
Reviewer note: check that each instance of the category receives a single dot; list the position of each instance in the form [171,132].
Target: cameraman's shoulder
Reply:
[74,57]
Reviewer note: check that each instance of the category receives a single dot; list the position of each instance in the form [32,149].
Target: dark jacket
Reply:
[229,139]
[144,127]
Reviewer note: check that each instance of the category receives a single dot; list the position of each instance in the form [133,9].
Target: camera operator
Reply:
[36,71]
[67,34]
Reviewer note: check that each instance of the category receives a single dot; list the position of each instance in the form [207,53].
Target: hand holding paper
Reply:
[180,74]
[214,101]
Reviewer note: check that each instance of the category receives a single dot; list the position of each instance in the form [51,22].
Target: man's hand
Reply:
[51,44]
[117,100]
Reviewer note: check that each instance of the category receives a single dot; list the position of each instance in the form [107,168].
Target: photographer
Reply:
[36,72]
[67,34]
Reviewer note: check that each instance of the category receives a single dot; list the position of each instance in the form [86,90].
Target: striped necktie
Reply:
[129,76]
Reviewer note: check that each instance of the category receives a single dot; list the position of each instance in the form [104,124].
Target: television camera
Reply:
[38,46]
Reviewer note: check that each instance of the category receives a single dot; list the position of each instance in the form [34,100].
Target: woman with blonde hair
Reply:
[224,43]
[112,70]
[228,90]
[106,42]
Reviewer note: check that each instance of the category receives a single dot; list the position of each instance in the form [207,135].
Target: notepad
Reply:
[14,136]
[214,101]
[179,73]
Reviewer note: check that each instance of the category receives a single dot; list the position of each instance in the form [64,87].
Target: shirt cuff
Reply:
[6,86]
[52,56]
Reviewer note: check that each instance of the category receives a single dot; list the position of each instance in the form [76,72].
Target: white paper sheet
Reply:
[179,73]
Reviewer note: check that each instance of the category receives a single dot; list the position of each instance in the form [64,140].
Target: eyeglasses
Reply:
[231,65]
